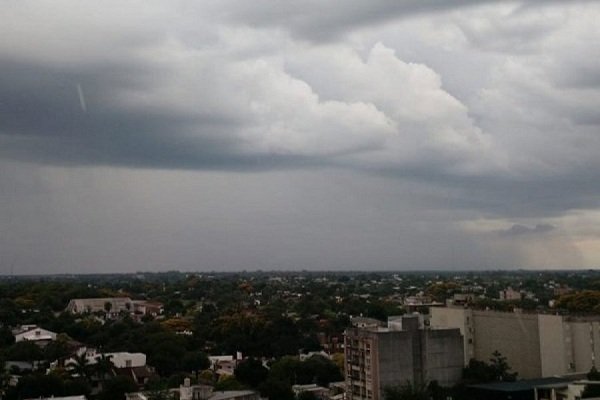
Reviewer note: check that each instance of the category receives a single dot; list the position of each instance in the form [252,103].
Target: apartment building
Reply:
[377,357]
[535,345]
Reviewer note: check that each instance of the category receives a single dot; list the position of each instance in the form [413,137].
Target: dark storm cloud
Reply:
[43,121]
[317,20]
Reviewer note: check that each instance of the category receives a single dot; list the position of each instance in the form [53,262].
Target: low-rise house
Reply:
[147,308]
[235,395]
[318,391]
[121,359]
[200,392]
[140,375]
[81,397]
[34,333]
[509,294]
[304,357]
[108,305]
[223,365]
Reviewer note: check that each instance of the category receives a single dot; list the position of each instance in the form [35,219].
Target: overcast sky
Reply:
[339,134]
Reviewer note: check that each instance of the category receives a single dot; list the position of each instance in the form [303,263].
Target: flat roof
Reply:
[523,385]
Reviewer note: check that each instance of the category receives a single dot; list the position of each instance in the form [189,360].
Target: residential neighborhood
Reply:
[330,336]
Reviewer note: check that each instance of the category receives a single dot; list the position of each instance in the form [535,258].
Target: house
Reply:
[200,392]
[319,391]
[119,359]
[509,294]
[140,375]
[223,365]
[110,305]
[235,395]
[33,333]
[147,308]
[61,398]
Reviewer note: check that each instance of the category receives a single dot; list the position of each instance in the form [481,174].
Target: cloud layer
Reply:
[485,111]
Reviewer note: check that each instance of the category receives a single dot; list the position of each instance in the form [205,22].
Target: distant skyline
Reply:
[319,135]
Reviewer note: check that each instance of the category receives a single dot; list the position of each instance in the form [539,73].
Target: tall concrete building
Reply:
[535,345]
[377,357]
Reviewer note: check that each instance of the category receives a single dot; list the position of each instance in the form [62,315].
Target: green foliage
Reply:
[251,372]
[316,369]
[40,385]
[586,301]
[496,370]
[442,290]
[406,391]
[194,361]
[160,395]
[24,351]
[592,390]
[276,389]
[593,375]
[228,383]
[80,366]
[116,388]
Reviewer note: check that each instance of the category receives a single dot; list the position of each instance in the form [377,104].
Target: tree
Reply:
[24,351]
[107,307]
[195,361]
[323,370]
[58,348]
[103,367]
[160,394]
[39,385]
[496,370]
[500,368]
[228,382]
[251,372]
[593,375]
[407,391]
[592,390]
[116,388]
[80,366]
[275,389]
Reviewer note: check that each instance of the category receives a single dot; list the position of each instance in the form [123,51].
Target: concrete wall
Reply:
[444,356]
[396,358]
[581,338]
[456,317]
[553,345]
[514,335]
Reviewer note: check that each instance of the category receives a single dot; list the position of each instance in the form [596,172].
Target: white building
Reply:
[535,345]
[119,359]
[114,305]
[33,333]
[61,398]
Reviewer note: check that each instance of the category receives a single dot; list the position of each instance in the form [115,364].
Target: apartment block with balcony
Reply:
[377,357]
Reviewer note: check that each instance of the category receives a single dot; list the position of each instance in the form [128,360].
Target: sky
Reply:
[233,135]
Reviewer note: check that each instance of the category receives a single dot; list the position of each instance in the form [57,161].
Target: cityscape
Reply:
[305,335]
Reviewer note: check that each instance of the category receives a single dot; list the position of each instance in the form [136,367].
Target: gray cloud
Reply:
[481,110]
[518,230]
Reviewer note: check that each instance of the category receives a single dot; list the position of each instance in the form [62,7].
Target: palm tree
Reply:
[103,366]
[80,366]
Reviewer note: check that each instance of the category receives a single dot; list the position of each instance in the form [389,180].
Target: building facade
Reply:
[380,357]
[535,345]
